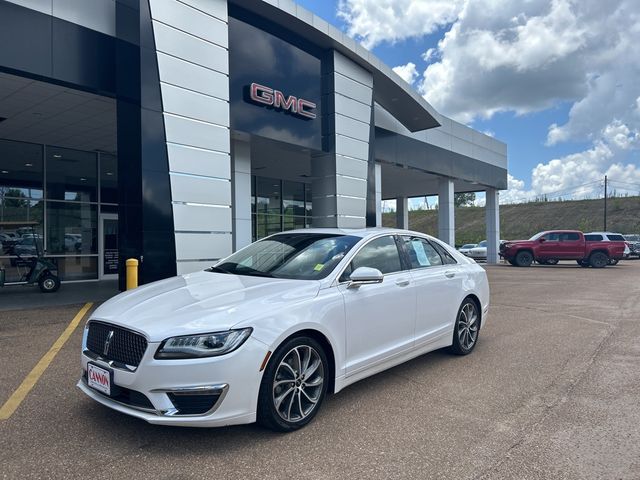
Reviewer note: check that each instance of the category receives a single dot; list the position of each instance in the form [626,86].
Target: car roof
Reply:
[603,233]
[356,232]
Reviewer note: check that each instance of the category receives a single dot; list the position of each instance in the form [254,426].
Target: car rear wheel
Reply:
[294,385]
[467,327]
[524,259]
[598,260]
[49,283]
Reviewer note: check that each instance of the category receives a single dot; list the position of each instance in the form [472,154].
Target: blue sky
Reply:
[569,111]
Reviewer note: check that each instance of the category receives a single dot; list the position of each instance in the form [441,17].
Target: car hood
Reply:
[201,302]
[521,242]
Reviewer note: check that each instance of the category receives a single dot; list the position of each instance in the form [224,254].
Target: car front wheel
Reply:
[524,259]
[294,385]
[467,327]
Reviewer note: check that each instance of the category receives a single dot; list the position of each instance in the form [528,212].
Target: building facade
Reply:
[177,131]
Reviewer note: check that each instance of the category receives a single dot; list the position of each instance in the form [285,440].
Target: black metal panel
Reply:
[399,149]
[372,203]
[25,39]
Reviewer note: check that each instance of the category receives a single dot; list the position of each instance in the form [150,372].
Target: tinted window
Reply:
[570,237]
[446,256]
[421,253]
[552,237]
[593,238]
[616,238]
[381,253]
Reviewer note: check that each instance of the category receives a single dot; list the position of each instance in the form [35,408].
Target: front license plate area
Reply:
[99,378]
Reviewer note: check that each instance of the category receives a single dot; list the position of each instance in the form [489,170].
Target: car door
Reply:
[380,318]
[549,246]
[570,243]
[437,280]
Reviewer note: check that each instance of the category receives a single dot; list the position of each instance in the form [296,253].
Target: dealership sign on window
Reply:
[279,101]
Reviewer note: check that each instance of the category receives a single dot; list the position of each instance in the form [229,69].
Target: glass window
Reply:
[76,268]
[108,178]
[72,175]
[552,237]
[421,253]
[72,228]
[381,253]
[615,238]
[268,196]
[301,256]
[267,225]
[307,199]
[21,170]
[292,198]
[593,238]
[447,258]
[569,237]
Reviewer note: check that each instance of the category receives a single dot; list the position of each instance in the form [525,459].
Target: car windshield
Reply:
[302,256]
[468,245]
[537,235]
[482,244]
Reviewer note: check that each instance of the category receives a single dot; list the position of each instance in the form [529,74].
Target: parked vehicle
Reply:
[479,252]
[8,240]
[561,245]
[464,249]
[609,237]
[633,241]
[266,333]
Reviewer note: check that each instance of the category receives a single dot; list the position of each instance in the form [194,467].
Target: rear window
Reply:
[593,238]
[616,238]
[570,237]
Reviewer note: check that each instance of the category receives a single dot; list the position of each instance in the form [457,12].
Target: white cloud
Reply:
[407,72]
[374,21]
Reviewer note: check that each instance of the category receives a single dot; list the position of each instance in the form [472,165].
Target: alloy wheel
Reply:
[297,384]
[468,326]
[49,284]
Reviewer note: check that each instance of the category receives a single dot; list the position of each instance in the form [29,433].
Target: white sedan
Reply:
[266,333]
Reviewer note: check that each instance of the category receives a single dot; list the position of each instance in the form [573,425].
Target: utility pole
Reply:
[605,203]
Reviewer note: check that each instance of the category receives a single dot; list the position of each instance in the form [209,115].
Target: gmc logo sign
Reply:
[276,99]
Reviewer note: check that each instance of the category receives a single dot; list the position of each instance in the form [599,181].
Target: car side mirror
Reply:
[542,240]
[365,276]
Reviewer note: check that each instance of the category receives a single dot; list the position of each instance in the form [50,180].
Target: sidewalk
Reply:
[21,297]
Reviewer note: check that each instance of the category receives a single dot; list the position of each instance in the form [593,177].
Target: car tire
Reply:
[598,260]
[524,259]
[293,385]
[512,262]
[49,283]
[466,329]
[613,261]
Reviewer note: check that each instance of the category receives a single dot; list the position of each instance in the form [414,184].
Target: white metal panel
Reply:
[99,15]
[184,159]
[352,128]
[351,147]
[194,105]
[190,20]
[216,8]
[351,108]
[351,167]
[462,147]
[351,206]
[197,218]
[197,246]
[185,46]
[356,187]
[352,89]
[196,134]
[212,191]
[352,70]
[193,77]
[351,222]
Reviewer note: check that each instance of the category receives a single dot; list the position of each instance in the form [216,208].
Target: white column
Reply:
[378,195]
[241,193]
[492,212]
[402,212]
[446,211]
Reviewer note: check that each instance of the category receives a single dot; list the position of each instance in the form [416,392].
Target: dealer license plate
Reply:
[99,378]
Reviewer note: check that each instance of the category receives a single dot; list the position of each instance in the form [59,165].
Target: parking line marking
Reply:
[30,380]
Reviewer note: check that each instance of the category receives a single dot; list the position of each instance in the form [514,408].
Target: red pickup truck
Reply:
[554,245]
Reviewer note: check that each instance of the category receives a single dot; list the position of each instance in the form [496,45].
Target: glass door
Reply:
[108,246]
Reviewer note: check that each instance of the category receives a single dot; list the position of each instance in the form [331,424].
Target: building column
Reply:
[492,212]
[241,193]
[402,213]
[446,211]
[378,195]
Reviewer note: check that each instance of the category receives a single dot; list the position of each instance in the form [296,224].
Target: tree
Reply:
[464,199]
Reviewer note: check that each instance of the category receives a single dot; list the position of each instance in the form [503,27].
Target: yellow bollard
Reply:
[132,273]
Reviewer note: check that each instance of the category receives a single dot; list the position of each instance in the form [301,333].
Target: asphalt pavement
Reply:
[551,392]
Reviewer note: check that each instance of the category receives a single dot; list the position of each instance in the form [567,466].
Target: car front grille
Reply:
[123,346]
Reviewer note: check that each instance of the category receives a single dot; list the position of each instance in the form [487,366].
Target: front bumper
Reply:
[234,378]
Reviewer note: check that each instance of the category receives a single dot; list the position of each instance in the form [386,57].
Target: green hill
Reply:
[520,221]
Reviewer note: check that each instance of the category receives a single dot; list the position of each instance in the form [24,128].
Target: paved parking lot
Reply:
[550,392]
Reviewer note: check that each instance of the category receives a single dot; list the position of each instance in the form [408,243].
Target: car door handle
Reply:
[403,283]
[449,274]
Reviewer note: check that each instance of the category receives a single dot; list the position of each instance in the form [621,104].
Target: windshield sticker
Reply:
[318,267]
[421,255]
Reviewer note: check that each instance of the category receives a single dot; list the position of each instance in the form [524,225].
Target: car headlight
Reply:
[205,345]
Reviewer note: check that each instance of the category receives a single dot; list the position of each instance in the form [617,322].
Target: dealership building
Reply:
[177,131]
